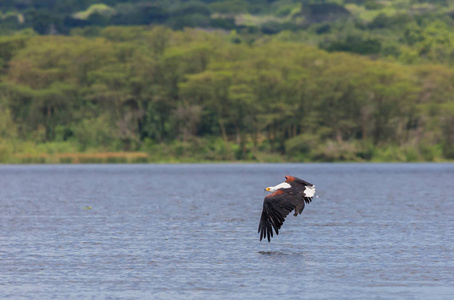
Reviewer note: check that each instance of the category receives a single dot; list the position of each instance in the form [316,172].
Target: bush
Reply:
[448,141]
[332,151]
[94,132]
[299,147]
[6,151]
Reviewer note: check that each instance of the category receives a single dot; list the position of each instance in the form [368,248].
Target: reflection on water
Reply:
[190,231]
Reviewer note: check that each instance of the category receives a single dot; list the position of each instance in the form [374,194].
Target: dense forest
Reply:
[258,80]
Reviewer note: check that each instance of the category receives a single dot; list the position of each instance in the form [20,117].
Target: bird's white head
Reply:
[270,189]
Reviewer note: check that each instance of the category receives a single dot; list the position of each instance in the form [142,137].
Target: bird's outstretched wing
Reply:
[276,207]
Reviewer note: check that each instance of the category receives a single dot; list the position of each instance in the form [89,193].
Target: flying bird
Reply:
[292,194]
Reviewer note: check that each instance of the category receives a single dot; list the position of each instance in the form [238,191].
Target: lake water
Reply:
[190,231]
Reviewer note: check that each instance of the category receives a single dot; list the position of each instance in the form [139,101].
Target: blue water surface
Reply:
[189,231]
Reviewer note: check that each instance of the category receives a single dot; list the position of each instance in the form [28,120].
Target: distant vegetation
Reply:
[226,80]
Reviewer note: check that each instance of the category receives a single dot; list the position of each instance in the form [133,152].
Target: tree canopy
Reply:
[228,80]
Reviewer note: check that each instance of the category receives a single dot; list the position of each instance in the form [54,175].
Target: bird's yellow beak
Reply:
[267,189]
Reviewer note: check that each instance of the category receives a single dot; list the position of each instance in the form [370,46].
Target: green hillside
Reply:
[113,81]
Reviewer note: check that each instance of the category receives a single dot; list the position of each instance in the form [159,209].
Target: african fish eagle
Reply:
[292,194]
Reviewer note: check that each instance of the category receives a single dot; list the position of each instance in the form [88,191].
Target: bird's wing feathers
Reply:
[305,188]
[276,207]
[303,182]
[298,181]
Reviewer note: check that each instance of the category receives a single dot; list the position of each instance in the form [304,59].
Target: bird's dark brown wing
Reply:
[292,179]
[300,186]
[276,207]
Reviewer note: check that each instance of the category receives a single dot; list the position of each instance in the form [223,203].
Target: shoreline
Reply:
[145,158]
